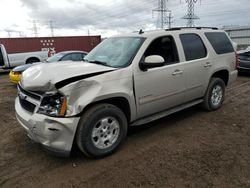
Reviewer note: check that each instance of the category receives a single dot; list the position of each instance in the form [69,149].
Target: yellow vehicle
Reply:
[16,73]
[15,76]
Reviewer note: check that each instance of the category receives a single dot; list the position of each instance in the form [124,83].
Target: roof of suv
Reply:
[142,33]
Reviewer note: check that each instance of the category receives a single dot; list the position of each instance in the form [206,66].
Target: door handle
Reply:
[176,72]
[208,64]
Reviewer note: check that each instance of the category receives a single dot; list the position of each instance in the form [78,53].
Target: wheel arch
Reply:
[31,58]
[222,74]
[119,101]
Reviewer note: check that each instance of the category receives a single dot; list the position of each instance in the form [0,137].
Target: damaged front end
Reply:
[48,109]
[43,118]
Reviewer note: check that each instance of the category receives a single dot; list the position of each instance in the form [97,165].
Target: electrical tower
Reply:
[190,17]
[162,14]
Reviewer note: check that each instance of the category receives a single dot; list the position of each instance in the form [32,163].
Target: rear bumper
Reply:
[244,69]
[232,77]
[55,135]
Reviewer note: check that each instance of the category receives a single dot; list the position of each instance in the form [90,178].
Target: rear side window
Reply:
[220,42]
[193,46]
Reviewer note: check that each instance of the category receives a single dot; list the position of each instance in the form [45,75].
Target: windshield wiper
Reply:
[98,62]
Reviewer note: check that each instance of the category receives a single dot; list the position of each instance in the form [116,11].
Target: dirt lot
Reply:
[192,148]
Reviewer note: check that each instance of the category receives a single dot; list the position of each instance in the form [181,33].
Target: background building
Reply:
[56,44]
[240,35]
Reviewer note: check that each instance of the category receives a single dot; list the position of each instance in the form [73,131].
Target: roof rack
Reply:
[180,28]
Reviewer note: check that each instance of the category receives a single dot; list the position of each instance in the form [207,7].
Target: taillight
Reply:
[237,62]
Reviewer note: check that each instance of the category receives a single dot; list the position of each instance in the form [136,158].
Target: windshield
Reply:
[248,48]
[115,52]
[55,58]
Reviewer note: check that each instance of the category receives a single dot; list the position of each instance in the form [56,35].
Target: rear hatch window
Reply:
[220,42]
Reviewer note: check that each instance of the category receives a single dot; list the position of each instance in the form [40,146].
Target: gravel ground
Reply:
[192,148]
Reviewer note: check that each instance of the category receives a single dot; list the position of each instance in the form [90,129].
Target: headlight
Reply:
[53,105]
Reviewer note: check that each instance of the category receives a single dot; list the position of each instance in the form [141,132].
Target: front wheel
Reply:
[101,130]
[215,94]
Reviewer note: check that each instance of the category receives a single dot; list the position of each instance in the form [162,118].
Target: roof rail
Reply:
[180,28]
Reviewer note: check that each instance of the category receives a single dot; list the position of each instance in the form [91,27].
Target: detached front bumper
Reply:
[54,134]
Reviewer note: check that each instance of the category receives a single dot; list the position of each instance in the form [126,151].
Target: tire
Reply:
[215,95]
[101,130]
[32,60]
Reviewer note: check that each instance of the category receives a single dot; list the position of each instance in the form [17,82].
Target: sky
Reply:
[110,17]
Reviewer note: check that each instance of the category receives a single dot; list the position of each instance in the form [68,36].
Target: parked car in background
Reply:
[16,59]
[244,60]
[15,74]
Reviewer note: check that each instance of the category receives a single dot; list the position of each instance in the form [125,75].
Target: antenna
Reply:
[162,11]
[190,17]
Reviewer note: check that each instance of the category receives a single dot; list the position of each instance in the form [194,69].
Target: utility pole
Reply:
[190,16]
[162,11]
[51,28]
[169,19]
[35,28]
[9,33]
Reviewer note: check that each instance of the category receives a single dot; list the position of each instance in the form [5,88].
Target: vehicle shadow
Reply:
[155,126]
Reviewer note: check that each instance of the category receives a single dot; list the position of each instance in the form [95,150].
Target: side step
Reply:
[165,113]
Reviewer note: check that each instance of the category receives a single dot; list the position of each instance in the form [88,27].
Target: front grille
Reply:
[27,105]
[28,93]
[24,95]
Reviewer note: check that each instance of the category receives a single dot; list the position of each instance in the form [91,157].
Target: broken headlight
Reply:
[53,105]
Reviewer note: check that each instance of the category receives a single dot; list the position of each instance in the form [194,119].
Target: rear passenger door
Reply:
[196,56]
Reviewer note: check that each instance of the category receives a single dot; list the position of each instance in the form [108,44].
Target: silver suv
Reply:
[126,80]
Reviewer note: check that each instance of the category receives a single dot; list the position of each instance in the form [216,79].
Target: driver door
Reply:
[3,57]
[160,88]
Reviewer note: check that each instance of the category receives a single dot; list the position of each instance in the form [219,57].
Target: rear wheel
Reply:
[101,130]
[215,94]
[32,60]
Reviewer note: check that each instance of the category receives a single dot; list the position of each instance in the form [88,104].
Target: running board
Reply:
[165,113]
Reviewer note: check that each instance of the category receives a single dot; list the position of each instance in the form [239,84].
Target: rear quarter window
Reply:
[193,46]
[220,42]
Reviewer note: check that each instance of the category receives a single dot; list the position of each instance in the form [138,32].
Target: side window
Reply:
[83,55]
[193,46]
[1,57]
[76,57]
[165,47]
[220,42]
[67,57]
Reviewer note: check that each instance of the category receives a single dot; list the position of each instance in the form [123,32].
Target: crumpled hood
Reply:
[44,76]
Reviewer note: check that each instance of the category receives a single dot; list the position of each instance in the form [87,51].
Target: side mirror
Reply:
[152,61]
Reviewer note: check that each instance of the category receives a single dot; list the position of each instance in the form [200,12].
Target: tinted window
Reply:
[67,57]
[193,46]
[76,57]
[55,57]
[1,58]
[220,42]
